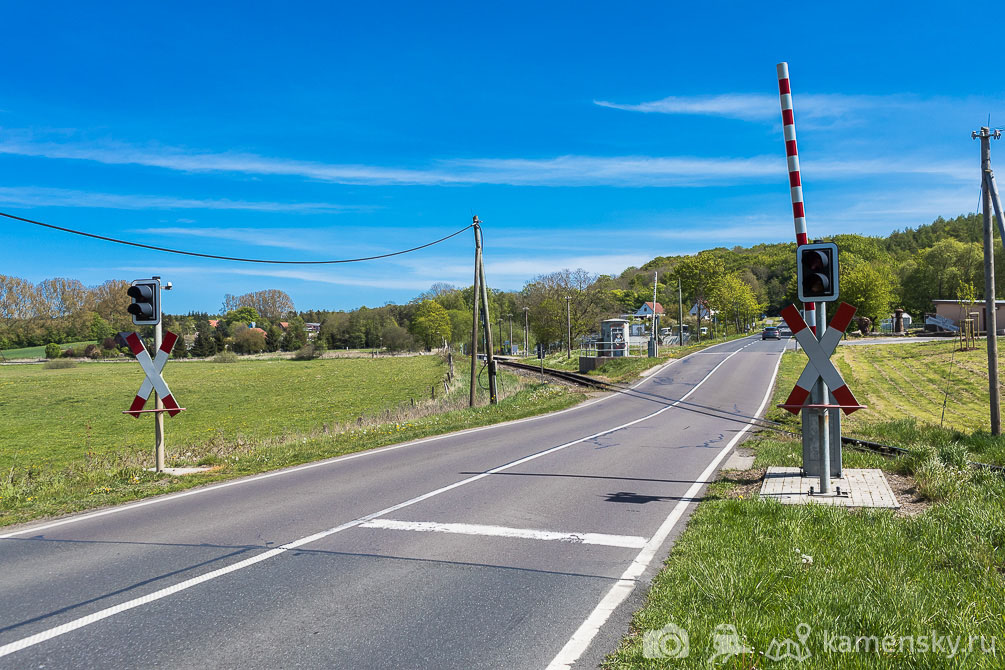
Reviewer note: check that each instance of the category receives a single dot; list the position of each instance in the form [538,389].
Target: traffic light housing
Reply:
[146,305]
[817,272]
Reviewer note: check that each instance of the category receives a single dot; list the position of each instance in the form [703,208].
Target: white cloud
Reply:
[764,107]
[568,170]
[293,238]
[352,279]
[36,196]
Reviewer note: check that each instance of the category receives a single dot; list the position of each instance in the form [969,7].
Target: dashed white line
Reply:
[628,541]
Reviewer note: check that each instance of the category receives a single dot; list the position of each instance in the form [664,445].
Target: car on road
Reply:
[770,333]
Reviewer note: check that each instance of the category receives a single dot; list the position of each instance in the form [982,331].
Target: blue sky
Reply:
[593,135]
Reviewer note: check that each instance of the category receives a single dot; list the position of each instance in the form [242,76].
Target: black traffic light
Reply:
[146,307]
[817,272]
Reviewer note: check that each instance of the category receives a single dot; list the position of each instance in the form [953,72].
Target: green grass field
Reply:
[66,446]
[56,417]
[766,568]
[39,351]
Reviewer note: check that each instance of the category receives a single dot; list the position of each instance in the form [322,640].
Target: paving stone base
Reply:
[859,488]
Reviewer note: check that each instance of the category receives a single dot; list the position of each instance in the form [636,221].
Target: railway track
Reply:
[573,377]
[853,442]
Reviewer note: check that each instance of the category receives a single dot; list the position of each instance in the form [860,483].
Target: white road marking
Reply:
[330,461]
[581,639]
[629,541]
[38,638]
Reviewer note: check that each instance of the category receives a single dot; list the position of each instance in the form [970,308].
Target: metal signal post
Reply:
[145,309]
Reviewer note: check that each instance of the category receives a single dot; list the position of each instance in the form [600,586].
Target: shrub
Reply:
[69,353]
[92,351]
[396,338]
[52,350]
[308,352]
[109,343]
[225,357]
[249,341]
[59,363]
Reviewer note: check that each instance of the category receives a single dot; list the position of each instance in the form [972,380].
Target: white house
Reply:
[648,309]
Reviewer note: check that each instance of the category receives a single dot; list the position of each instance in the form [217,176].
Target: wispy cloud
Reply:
[175,158]
[568,170]
[35,196]
[347,278]
[300,239]
[765,108]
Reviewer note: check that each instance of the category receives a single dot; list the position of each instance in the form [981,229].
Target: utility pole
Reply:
[487,323]
[991,320]
[475,299]
[510,333]
[680,313]
[568,325]
[526,332]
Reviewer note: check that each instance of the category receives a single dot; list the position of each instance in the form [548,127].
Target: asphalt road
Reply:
[523,545]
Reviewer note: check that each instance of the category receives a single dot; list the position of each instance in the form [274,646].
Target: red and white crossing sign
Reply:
[152,368]
[820,365]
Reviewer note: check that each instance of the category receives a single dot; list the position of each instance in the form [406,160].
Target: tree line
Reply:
[906,269]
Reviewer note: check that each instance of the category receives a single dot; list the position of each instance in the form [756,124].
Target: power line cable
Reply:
[231,258]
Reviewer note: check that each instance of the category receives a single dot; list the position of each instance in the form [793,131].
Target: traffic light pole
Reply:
[159,448]
[822,396]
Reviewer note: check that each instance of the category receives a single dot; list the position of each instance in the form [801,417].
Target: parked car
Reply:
[770,333]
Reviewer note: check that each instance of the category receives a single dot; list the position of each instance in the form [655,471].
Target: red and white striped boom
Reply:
[795,181]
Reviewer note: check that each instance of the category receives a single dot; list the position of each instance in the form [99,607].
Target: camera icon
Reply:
[670,641]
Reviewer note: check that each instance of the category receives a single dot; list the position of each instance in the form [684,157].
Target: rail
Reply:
[574,377]
[853,442]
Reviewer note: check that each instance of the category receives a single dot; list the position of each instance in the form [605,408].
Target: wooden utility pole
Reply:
[475,299]
[991,320]
[486,320]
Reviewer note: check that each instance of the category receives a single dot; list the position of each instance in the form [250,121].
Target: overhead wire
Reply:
[231,258]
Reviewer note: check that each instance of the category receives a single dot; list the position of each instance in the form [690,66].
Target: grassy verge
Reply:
[36,487]
[877,589]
